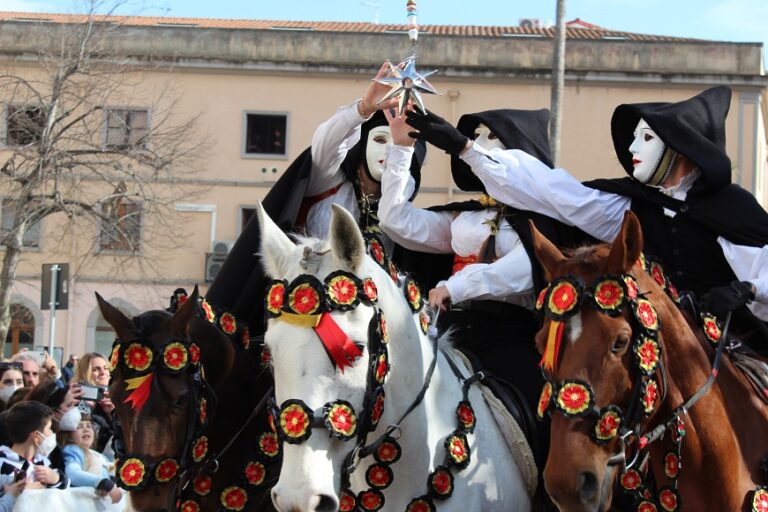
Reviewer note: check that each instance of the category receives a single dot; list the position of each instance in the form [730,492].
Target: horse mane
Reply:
[586,258]
[149,321]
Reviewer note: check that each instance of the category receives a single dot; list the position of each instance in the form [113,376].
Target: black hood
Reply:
[695,128]
[356,155]
[526,130]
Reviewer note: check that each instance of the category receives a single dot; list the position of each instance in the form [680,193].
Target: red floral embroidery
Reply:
[562,298]
[194,353]
[347,502]
[209,314]
[650,396]
[202,485]
[393,272]
[631,480]
[541,297]
[369,287]
[255,473]
[132,472]
[228,323]
[203,410]
[384,330]
[387,452]
[175,356]
[631,287]
[646,506]
[544,399]
[342,420]
[275,298]
[646,314]
[266,356]
[648,355]
[200,448]
[414,295]
[608,425]
[671,465]
[441,481]
[377,252]
[377,410]
[574,398]
[466,416]
[419,505]
[371,500]
[269,444]
[234,498]
[190,506]
[424,321]
[760,500]
[342,290]
[668,500]
[378,476]
[609,295]
[711,329]
[166,471]
[114,358]
[138,357]
[382,367]
[294,421]
[458,450]
[304,299]
[658,274]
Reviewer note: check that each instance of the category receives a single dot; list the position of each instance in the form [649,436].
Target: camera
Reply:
[92,393]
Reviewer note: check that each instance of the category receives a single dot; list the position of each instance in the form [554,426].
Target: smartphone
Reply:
[19,475]
[92,393]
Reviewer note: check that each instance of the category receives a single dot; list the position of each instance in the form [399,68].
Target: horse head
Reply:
[601,346]
[161,397]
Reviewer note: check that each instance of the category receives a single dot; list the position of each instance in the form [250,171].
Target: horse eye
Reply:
[621,344]
[181,401]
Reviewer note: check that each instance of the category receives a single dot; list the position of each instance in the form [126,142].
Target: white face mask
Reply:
[7,392]
[47,446]
[647,150]
[379,138]
[486,139]
[70,419]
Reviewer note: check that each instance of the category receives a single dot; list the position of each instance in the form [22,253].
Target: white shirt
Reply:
[520,180]
[508,279]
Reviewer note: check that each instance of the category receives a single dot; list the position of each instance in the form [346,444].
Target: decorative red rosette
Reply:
[642,262]
[673,293]
[607,425]
[650,395]
[413,294]
[711,329]
[131,473]
[175,356]
[245,337]
[114,357]
[465,415]
[574,398]
[275,298]
[441,483]
[266,356]
[203,411]
[376,250]
[138,357]
[383,328]
[228,323]
[347,501]
[393,273]
[255,472]
[200,449]
[631,285]
[457,447]
[382,368]
[339,417]
[421,504]
[388,451]
[208,311]
[541,297]
[544,400]
[646,506]
[343,290]
[233,498]
[760,500]
[657,273]
[424,321]
[378,408]
[304,299]
[189,506]
[166,470]
[370,292]
[295,421]
[669,499]
[647,494]
[271,422]
[269,445]
[646,315]
[671,465]
[563,299]
[631,480]
[610,295]
[379,476]
[647,354]
[202,485]
[370,500]
[194,353]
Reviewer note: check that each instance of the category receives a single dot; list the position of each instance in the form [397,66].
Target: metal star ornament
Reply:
[407,83]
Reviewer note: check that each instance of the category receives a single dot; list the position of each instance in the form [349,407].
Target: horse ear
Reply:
[277,250]
[347,243]
[549,255]
[186,311]
[627,246]
[119,322]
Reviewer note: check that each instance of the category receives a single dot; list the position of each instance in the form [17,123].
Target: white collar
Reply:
[680,191]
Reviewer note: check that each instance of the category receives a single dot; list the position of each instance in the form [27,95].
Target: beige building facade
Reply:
[261,88]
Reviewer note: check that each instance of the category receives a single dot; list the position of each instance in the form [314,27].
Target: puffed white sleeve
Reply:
[750,264]
[522,181]
[413,228]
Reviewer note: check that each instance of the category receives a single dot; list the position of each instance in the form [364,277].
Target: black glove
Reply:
[722,299]
[437,131]
[105,484]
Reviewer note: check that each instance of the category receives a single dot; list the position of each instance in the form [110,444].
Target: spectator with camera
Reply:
[37,366]
[92,371]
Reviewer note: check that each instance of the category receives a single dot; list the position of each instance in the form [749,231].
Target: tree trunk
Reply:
[7,277]
[558,84]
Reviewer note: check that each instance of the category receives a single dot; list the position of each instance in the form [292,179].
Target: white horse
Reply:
[311,474]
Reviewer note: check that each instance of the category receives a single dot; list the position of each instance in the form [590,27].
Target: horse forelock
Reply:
[585,261]
[149,322]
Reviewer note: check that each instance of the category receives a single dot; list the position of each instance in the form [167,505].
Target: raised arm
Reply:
[750,264]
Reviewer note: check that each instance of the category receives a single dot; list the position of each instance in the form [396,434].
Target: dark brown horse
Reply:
[598,384]
[184,393]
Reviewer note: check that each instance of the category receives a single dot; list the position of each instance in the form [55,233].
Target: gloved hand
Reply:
[437,131]
[722,299]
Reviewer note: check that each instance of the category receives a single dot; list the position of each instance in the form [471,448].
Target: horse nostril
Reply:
[588,487]
[324,503]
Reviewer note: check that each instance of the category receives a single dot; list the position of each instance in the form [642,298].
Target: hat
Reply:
[70,420]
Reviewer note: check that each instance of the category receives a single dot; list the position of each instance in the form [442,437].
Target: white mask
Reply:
[486,139]
[47,446]
[7,392]
[647,150]
[70,419]
[379,139]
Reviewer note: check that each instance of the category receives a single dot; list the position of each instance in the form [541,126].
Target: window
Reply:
[121,227]
[127,128]
[24,125]
[31,237]
[265,134]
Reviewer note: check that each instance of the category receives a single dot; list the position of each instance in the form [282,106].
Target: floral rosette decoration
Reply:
[413,294]
[228,323]
[132,474]
[339,417]
[294,421]
[393,273]
[200,448]
[650,395]
[673,293]
[563,299]
[370,500]
[208,311]
[465,415]
[255,472]
[138,357]
[383,328]
[189,506]
[610,295]
[194,353]
[233,498]
[631,480]
[266,356]
[269,445]
[441,483]
[657,273]
[541,297]
[669,499]
[347,501]
[574,398]
[646,315]
[647,355]
[114,357]
[166,470]
[202,485]
[245,337]
[646,506]
[275,298]
[376,250]
[671,465]
[424,321]
[420,504]
[305,296]
[343,290]
[379,476]
[631,287]
[175,356]
[378,408]
[370,292]
[760,500]
[388,451]
[544,400]
[382,368]
[203,412]
[607,425]
[457,447]
[711,329]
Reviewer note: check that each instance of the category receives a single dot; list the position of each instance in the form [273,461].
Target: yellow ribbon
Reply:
[300,320]
[136,382]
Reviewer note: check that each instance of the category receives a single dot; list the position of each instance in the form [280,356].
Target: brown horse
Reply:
[597,384]
[176,380]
